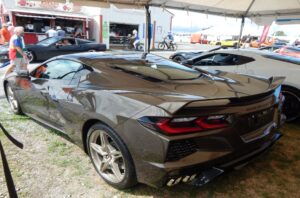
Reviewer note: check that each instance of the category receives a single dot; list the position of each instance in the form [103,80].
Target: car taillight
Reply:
[184,125]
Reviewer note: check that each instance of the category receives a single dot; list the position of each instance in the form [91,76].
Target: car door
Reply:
[217,61]
[35,100]
[59,89]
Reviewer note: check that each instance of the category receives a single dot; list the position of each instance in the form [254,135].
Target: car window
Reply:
[48,41]
[66,42]
[223,59]
[57,69]
[153,68]
[81,41]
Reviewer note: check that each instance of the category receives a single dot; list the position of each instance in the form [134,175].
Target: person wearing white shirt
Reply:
[51,33]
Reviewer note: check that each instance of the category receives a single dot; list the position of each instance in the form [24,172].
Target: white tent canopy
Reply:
[229,8]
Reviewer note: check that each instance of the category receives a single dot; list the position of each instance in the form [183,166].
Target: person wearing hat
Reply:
[60,32]
[5,34]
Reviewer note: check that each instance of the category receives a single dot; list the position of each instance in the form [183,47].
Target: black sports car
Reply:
[178,57]
[54,46]
[151,120]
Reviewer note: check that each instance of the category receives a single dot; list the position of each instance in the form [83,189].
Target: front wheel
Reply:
[110,157]
[13,101]
[161,46]
[291,105]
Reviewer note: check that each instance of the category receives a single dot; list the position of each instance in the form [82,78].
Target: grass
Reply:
[51,166]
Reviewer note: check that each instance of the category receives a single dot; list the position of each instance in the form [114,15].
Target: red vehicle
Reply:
[289,51]
[199,38]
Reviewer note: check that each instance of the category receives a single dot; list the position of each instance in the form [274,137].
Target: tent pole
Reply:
[147,30]
[241,31]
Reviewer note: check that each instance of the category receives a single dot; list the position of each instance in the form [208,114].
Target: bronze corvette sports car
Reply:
[147,119]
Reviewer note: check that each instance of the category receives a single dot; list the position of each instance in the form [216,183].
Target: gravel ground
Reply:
[51,166]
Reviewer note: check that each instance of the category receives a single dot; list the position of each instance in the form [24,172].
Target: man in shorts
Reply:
[17,55]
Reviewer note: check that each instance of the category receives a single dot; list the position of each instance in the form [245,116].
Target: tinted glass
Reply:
[48,41]
[222,59]
[58,69]
[153,67]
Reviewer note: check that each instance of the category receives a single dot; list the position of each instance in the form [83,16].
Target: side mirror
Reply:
[57,46]
[23,74]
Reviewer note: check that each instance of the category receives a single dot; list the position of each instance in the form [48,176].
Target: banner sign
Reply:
[264,34]
[49,5]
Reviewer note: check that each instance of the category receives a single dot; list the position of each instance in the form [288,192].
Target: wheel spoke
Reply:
[98,149]
[104,140]
[116,170]
[104,165]
[116,154]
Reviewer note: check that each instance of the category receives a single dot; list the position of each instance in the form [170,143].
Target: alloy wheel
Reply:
[30,56]
[11,98]
[106,156]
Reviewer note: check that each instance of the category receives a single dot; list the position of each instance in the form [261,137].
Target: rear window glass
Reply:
[153,67]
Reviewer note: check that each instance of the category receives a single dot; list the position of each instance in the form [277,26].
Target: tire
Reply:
[12,100]
[161,46]
[174,47]
[92,50]
[178,59]
[235,45]
[31,56]
[106,157]
[291,105]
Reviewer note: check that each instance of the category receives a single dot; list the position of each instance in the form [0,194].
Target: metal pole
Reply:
[241,31]
[147,35]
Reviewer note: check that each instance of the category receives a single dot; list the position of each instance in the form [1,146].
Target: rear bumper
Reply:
[210,164]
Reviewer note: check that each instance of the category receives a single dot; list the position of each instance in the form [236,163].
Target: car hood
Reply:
[209,86]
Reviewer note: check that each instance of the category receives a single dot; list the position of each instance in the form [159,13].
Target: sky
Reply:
[184,21]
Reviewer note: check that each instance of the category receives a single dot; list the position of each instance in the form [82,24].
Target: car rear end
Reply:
[203,139]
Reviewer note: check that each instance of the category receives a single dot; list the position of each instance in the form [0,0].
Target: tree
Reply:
[280,33]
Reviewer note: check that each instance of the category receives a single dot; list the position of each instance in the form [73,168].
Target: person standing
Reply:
[5,34]
[17,55]
[60,32]
[51,32]
[10,28]
[78,32]
[136,39]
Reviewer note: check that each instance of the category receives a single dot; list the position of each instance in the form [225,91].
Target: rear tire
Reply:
[12,100]
[174,47]
[31,57]
[110,157]
[291,106]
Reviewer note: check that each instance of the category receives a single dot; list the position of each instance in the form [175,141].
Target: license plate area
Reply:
[255,120]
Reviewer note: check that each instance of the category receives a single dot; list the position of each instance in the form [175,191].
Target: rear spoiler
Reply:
[173,107]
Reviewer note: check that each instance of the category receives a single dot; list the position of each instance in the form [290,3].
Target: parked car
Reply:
[225,43]
[4,54]
[181,56]
[289,51]
[271,48]
[54,46]
[261,63]
[148,119]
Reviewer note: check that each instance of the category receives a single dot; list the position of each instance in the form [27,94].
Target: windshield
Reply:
[48,41]
[155,68]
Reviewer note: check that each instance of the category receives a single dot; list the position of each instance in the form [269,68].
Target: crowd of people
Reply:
[59,31]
